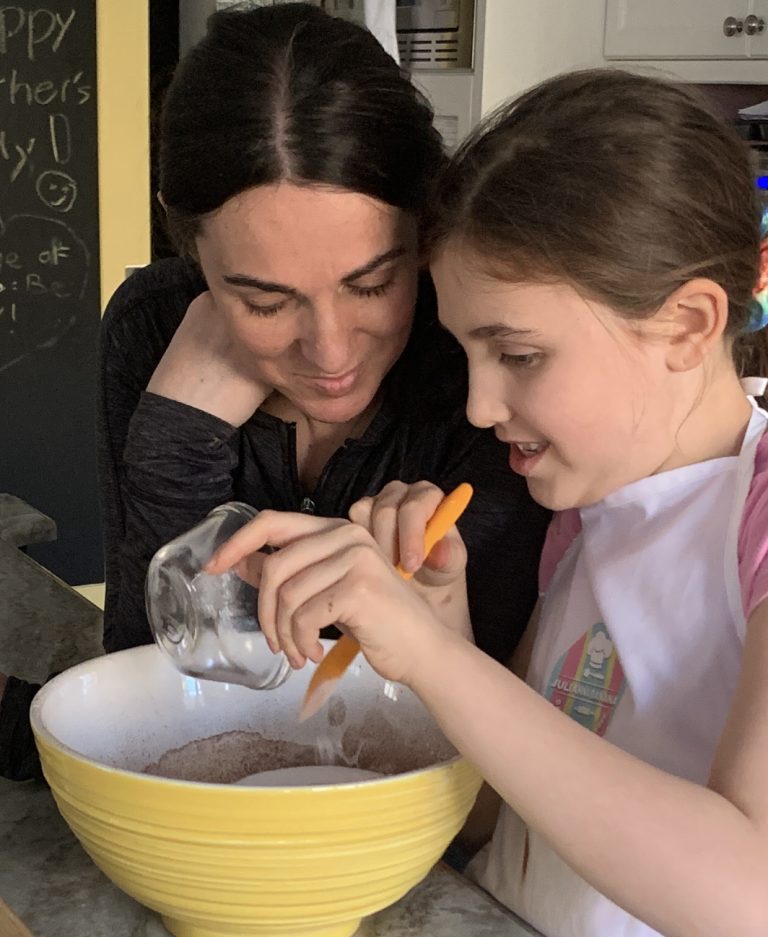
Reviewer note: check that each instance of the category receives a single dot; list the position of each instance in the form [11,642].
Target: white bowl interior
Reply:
[131,709]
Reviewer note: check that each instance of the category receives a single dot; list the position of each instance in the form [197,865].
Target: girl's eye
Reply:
[257,310]
[366,292]
[521,361]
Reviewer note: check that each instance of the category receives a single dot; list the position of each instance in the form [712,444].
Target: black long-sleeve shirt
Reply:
[164,464]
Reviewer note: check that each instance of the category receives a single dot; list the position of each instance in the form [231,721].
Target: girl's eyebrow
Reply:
[499,330]
[267,286]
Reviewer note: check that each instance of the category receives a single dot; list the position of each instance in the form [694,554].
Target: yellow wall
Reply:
[123,113]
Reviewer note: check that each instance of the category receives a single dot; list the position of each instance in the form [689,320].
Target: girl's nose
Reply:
[487,404]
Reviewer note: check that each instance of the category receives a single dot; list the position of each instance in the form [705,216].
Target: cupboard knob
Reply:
[732,26]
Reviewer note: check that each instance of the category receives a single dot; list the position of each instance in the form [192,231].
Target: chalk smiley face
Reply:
[56,190]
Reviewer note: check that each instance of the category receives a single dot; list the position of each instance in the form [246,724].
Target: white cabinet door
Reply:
[675,29]
[756,26]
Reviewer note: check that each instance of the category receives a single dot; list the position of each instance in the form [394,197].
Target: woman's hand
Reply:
[329,571]
[204,367]
[397,518]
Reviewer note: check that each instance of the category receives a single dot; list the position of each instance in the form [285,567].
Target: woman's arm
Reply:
[19,760]
[164,462]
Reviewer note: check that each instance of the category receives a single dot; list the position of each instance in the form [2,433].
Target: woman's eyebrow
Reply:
[373,264]
[267,286]
[254,283]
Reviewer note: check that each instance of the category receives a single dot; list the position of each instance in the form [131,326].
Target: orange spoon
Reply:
[332,667]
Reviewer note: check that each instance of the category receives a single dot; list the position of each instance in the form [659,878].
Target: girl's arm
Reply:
[687,860]
[481,822]
[691,861]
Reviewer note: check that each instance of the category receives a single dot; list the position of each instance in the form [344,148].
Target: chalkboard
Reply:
[49,274]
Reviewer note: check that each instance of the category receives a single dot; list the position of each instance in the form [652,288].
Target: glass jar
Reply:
[208,625]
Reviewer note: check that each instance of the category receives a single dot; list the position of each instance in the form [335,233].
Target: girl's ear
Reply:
[695,316]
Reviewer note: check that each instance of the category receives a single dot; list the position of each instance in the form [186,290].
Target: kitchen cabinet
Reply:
[686,29]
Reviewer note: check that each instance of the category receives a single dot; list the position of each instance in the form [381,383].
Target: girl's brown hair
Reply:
[623,186]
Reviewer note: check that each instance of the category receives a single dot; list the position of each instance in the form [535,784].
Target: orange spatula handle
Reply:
[341,655]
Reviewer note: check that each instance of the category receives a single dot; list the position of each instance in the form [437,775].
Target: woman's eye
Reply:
[367,291]
[257,310]
[521,361]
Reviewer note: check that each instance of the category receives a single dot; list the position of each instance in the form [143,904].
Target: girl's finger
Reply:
[384,518]
[249,568]
[298,644]
[439,558]
[360,512]
[278,568]
[358,570]
[269,528]
[417,508]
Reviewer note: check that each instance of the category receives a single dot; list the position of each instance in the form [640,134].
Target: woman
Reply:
[291,358]
[311,372]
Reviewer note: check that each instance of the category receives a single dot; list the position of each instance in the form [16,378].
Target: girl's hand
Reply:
[329,571]
[397,519]
[204,367]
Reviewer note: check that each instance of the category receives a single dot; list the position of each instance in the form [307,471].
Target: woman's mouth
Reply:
[337,385]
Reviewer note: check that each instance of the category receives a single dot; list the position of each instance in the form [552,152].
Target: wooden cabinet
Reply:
[686,29]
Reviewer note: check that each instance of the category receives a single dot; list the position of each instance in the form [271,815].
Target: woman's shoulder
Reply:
[144,313]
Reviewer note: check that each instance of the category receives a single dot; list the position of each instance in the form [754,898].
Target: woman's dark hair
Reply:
[621,185]
[290,93]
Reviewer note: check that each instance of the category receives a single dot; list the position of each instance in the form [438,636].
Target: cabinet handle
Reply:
[732,26]
[754,24]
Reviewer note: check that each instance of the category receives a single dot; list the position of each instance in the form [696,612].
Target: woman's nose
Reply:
[327,342]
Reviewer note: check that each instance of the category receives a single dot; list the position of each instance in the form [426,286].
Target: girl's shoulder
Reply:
[753,535]
[752,544]
[563,529]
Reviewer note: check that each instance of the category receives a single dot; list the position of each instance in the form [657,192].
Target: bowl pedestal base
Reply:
[183,929]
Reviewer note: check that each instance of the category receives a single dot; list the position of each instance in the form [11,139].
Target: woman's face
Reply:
[318,286]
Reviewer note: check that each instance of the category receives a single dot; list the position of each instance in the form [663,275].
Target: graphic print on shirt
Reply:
[588,681]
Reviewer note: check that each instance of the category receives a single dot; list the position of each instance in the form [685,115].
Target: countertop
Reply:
[46,877]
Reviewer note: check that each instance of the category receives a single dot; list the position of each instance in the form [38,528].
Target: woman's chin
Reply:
[337,409]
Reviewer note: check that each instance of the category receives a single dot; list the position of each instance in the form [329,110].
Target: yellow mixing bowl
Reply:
[216,859]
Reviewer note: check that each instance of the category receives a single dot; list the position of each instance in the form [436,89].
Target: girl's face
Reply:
[318,286]
[585,403]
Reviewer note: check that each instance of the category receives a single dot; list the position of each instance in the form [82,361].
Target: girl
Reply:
[596,253]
